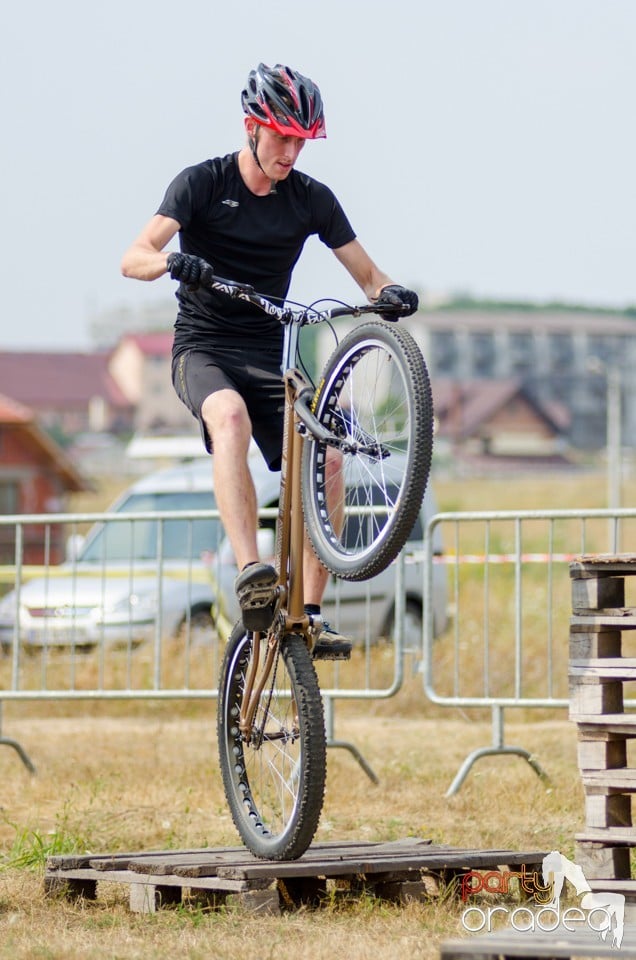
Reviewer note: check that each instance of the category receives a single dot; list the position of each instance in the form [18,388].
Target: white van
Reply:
[128,573]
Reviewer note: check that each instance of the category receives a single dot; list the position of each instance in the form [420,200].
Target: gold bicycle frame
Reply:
[290,608]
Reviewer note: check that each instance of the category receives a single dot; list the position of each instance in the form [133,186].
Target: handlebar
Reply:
[302,314]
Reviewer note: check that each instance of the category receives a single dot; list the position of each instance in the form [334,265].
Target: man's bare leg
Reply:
[330,645]
[315,575]
[230,429]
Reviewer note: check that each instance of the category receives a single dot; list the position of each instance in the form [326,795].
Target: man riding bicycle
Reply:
[247,216]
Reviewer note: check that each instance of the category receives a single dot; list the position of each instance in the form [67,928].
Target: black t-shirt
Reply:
[247,238]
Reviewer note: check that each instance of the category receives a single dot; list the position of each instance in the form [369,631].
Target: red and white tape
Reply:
[451,558]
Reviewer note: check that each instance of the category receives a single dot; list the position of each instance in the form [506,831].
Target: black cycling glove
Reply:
[398,296]
[193,271]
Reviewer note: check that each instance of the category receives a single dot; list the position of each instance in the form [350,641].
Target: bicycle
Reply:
[373,406]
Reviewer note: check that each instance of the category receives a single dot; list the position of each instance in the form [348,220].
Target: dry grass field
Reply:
[144,776]
[107,784]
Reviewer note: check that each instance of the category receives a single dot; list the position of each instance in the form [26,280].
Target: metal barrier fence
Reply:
[510,599]
[143,612]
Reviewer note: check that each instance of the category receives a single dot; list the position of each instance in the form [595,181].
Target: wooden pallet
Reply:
[601,668]
[400,871]
[561,942]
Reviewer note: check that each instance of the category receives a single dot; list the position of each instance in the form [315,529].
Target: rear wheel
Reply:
[273,773]
[375,397]
[199,629]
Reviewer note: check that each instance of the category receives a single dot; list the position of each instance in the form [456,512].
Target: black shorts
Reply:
[196,374]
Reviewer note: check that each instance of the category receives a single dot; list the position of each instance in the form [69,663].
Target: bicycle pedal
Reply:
[257,592]
[258,619]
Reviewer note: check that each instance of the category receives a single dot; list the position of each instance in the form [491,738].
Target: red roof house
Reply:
[497,418]
[73,392]
[141,366]
[36,477]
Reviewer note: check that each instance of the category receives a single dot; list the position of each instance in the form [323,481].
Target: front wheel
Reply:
[274,773]
[362,499]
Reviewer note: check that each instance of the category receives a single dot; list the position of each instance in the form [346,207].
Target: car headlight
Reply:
[144,604]
[136,606]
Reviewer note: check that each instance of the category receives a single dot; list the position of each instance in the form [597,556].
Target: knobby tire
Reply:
[275,783]
[375,395]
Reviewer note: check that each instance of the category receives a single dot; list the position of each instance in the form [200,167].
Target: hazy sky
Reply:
[476,145]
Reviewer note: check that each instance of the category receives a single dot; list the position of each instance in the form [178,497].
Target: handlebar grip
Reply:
[233,286]
[392,311]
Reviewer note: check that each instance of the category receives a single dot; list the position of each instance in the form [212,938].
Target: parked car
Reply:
[131,572]
[125,571]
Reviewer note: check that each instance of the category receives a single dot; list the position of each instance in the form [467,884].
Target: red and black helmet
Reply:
[280,98]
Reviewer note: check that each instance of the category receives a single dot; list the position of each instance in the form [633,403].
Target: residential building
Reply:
[497,418]
[70,392]
[141,364]
[36,477]
[562,357]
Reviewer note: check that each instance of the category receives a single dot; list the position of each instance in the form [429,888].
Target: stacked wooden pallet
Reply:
[602,666]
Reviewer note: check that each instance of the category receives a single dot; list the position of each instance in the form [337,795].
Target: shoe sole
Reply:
[257,598]
[340,652]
